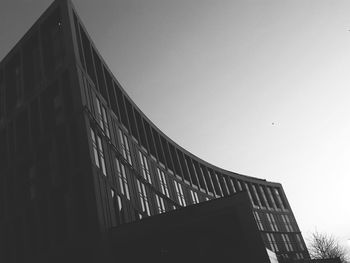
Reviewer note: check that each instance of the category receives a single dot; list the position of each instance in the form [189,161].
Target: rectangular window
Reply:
[194,197]
[143,198]
[160,204]
[98,151]
[144,167]
[102,158]
[271,198]
[162,182]
[102,117]
[118,207]
[258,221]
[272,222]
[272,242]
[300,243]
[125,146]
[122,179]
[180,193]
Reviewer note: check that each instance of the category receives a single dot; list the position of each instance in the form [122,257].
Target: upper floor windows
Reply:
[125,146]
[162,182]
[194,197]
[98,151]
[287,242]
[160,204]
[122,178]
[287,223]
[272,241]
[144,167]
[258,221]
[118,207]
[272,222]
[143,198]
[180,193]
[102,117]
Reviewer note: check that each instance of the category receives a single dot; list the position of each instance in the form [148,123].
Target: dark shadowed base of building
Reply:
[221,230]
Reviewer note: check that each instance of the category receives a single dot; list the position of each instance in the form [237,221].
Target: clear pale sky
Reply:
[260,88]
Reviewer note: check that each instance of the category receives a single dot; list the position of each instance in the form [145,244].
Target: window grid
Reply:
[144,168]
[102,158]
[102,117]
[160,204]
[258,221]
[122,177]
[143,198]
[94,146]
[162,182]
[125,146]
[180,194]
[194,196]
[272,242]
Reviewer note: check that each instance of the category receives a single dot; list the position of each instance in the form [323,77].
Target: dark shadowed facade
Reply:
[79,160]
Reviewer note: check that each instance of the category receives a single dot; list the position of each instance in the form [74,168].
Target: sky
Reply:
[258,87]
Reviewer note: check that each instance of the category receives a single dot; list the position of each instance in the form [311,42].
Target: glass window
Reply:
[194,197]
[258,221]
[102,158]
[160,204]
[144,167]
[179,193]
[143,198]
[98,151]
[125,146]
[162,182]
[122,178]
[102,117]
[272,242]
[94,146]
[118,207]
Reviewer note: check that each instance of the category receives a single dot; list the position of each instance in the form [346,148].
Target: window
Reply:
[300,242]
[272,222]
[287,223]
[144,167]
[102,117]
[162,182]
[160,204]
[279,199]
[122,178]
[258,221]
[98,151]
[143,198]
[194,197]
[287,242]
[179,193]
[125,146]
[272,242]
[271,198]
[118,207]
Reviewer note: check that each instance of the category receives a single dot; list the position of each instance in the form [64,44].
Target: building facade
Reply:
[78,157]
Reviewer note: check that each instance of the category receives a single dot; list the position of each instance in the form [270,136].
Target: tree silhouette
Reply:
[323,246]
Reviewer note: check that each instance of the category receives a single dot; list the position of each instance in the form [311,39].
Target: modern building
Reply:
[78,158]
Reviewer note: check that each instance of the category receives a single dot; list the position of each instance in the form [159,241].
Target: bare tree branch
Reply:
[324,246]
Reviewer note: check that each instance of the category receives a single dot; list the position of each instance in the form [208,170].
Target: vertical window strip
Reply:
[94,146]
[162,182]
[144,167]
[258,221]
[122,178]
[263,196]
[194,196]
[257,195]
[102,158]
[180,194]
[143,198]
[160,204]
[271,198]
[125,146]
